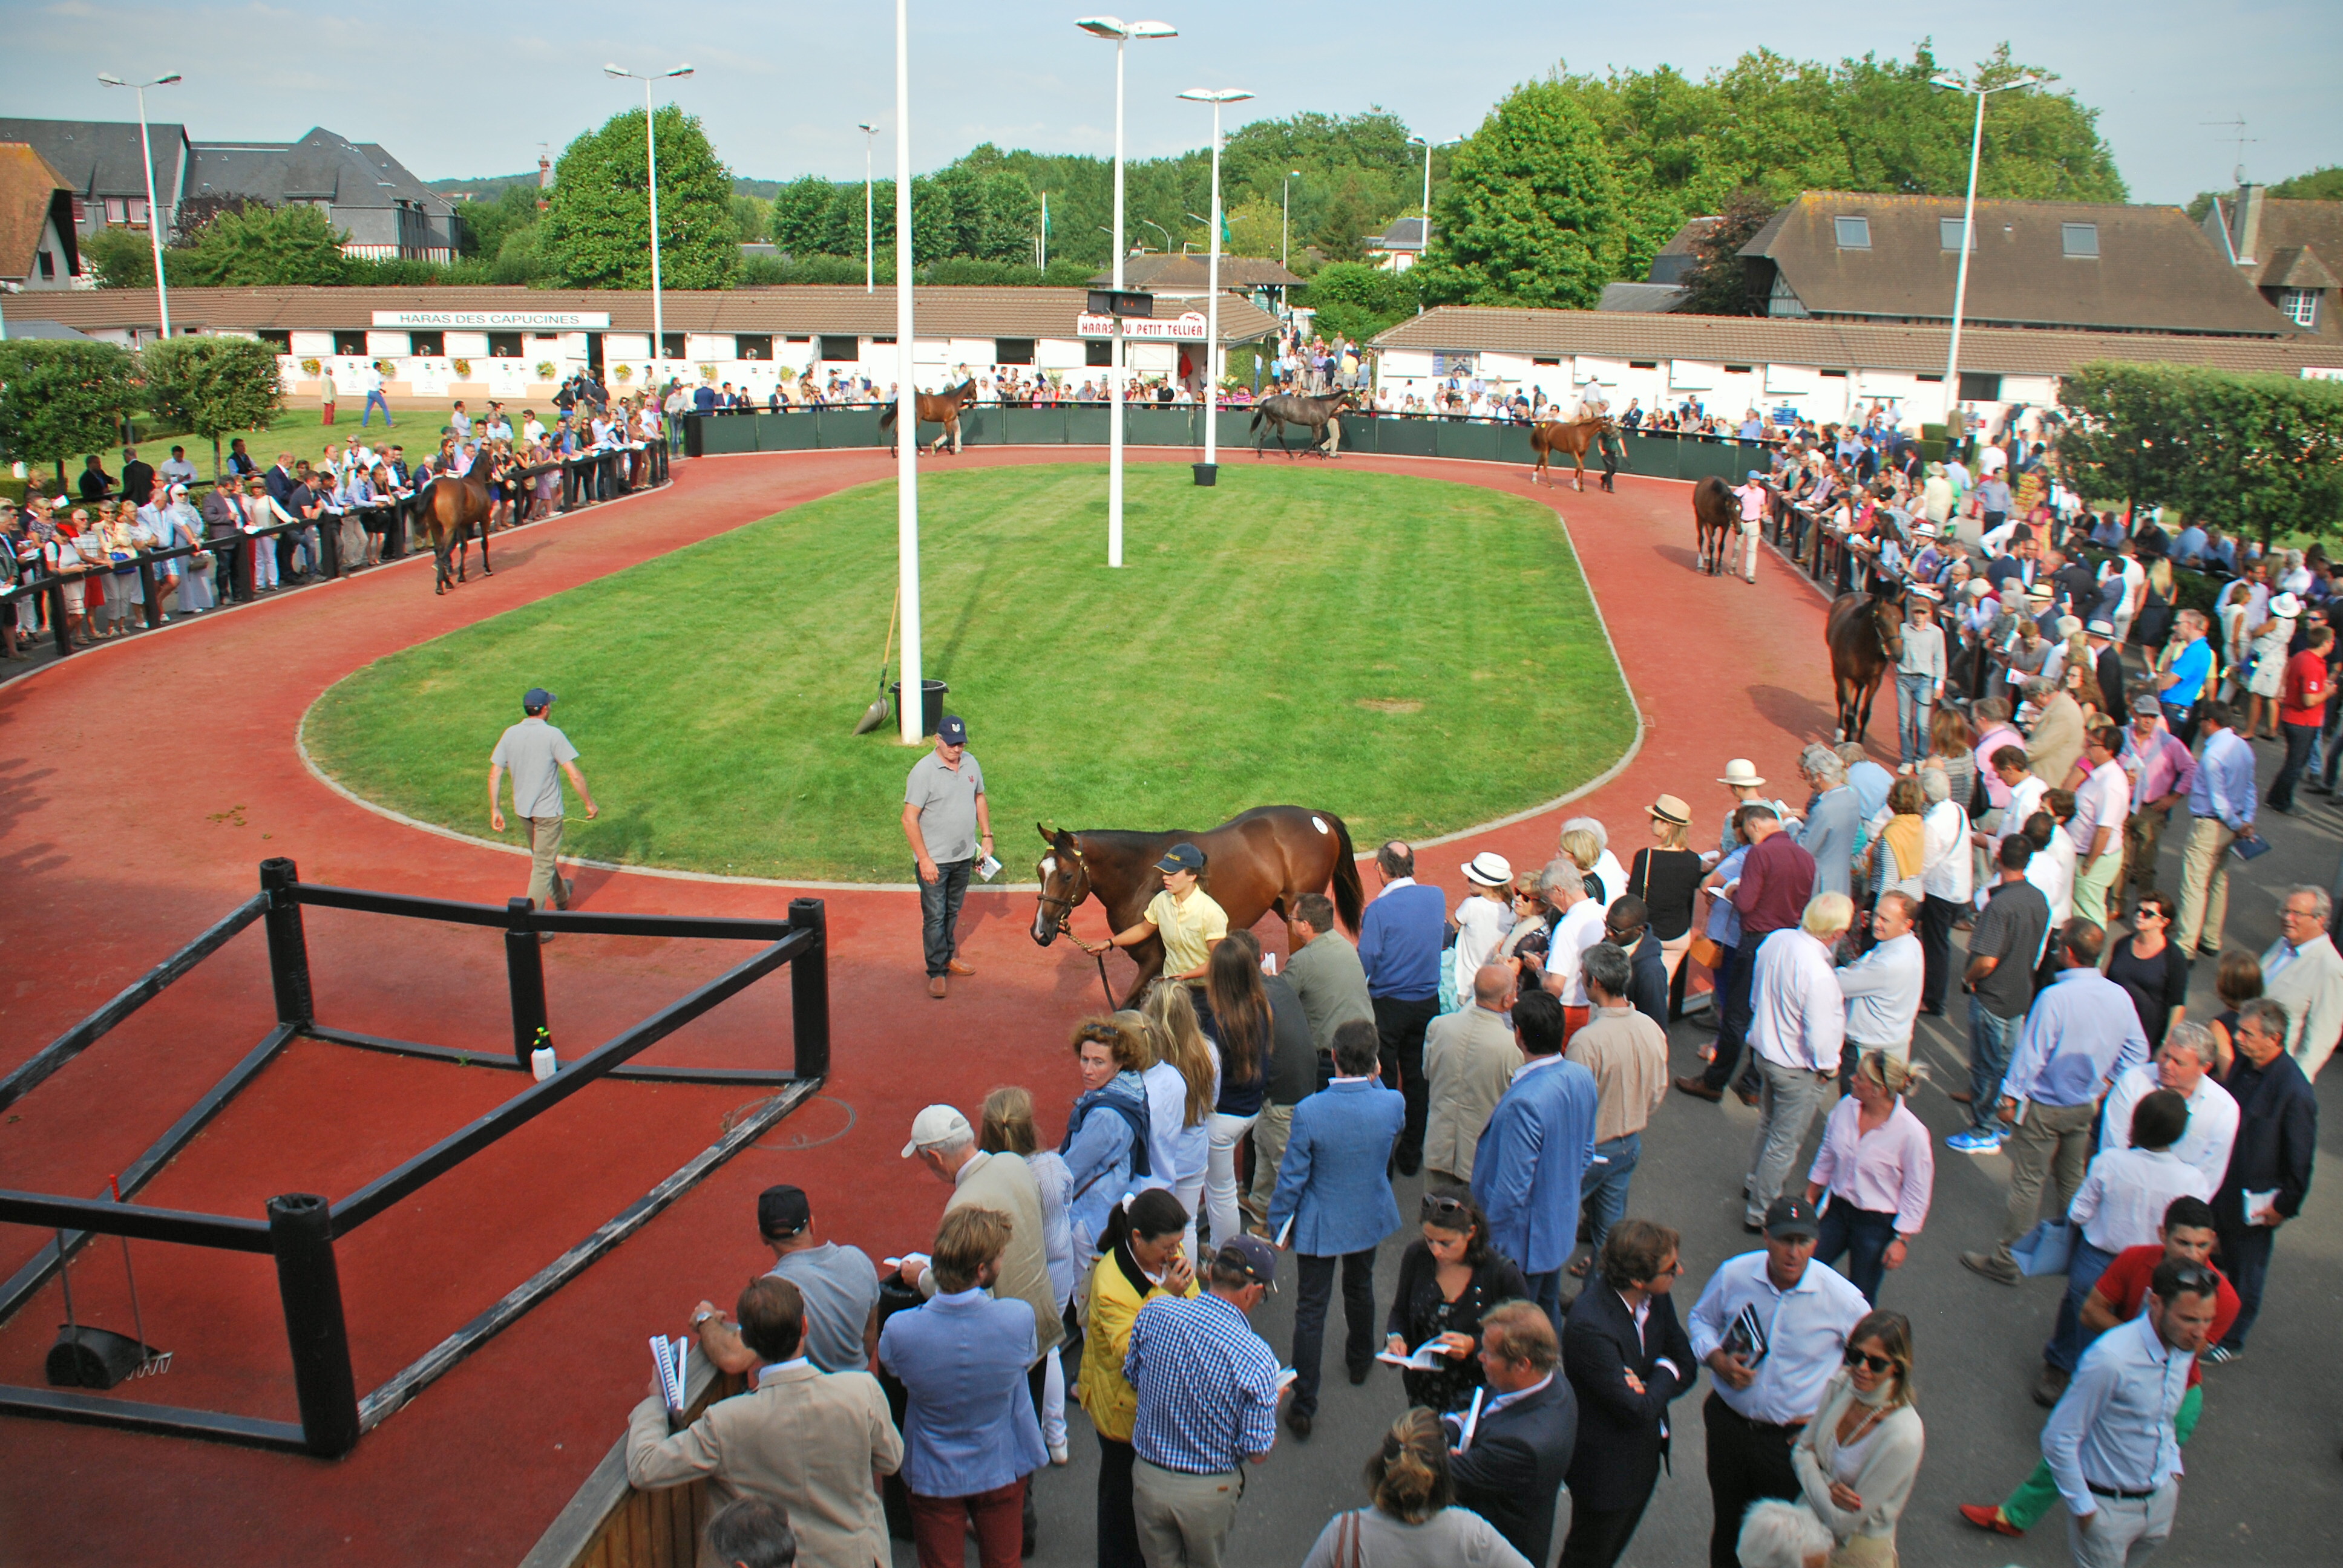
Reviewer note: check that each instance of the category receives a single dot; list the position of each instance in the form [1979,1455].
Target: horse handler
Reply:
[1753,499]
[949,824]
[537,754]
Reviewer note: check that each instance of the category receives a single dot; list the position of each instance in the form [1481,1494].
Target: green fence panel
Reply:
[1398,437]
[792,432]
[1086,426]
[1160,427]
[1463,439]
[850,427]
[1514,444]
[726,433]
[985,424]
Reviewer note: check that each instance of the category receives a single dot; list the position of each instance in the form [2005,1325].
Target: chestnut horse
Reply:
[1865,637]
[454,508]
[935,408]
[1715,516]
[1262,861]
[1571,439]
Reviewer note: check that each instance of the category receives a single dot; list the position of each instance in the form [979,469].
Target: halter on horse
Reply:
[1865,635]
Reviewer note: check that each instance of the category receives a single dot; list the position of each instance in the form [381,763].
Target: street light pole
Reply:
[1968,226]
[913,702]
[1216,97]
[650,161]
[1285,223]
[154,213]
[1424,237]
[870,255]
[1121,31]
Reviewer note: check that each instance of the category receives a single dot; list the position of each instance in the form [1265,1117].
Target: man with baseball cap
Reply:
[949,825]
[1920,673]
[536,754]
[838,1284]
[1773,1326]
[1184,915]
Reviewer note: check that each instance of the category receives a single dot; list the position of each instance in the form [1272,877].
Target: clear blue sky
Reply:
[464,89]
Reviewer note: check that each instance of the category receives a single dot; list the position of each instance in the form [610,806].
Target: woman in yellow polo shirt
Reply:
[1182,914]
[1140,1261]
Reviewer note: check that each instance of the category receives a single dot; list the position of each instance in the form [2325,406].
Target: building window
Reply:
[837,347]
[280,341]
[1853,233]
[49,266]
[2079,238]
[139,212]
[1737,369]
[1544,359]
[2300,304]
[428,345]
[1980,386]
[1012,351]
[1840,374]
[1099,351]
[1948,235]
[349,343]
[117,210]
[504,345]
[1642,365]
[751,346]
[671,347]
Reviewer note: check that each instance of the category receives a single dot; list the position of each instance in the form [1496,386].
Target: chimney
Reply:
[2247,235]
[544,175]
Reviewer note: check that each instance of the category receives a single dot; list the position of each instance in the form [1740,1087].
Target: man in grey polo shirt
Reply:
[536,754]
[949,824]
[840,1286]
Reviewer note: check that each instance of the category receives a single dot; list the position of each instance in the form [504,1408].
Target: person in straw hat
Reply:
[1484,918]
[2270,641]
[1666,876]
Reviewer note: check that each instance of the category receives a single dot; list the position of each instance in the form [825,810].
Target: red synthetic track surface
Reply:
[140,786]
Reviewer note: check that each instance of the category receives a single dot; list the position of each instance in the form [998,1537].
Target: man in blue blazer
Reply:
[1626,1356]
[1533,1155]
[1510,1469]
[1334,1188]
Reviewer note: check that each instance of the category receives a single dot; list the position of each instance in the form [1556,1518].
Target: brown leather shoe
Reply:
[1960,1097]
[936,987]
[1699,1090]
[958,967]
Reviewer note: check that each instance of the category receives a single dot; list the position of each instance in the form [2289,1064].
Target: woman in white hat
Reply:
[2270,641]
[1741,777]
[1484,918]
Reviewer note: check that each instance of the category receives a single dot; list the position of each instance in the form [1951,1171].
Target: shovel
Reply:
[876,714]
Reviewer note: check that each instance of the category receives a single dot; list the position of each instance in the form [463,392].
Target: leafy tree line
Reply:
[60,401]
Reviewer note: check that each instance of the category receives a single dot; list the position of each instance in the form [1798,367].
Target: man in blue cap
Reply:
[949,826]
[536,754]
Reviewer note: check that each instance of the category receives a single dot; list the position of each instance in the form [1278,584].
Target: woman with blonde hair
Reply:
[1857,1458]
[1006,1128]
[1666,876]
[1414,1521]
[1182,1087]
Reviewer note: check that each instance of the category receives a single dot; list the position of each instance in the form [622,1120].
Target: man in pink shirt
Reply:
[2162,772]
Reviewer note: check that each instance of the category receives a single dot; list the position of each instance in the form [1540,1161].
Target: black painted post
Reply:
[810,990]
[525,977]
[288,944]
[153,601]
[58,628]
[300,1232]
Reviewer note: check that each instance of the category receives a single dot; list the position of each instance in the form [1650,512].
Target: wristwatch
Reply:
[699,1318]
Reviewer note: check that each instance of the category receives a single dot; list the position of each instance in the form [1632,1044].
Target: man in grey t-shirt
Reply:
[840,1286]
[536,754]
[949,825]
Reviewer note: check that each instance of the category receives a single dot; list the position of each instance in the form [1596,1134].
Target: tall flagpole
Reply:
[907,393]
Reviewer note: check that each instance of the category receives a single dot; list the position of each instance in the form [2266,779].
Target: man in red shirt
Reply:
[2302,696]
[2187,1236]
[1776,879]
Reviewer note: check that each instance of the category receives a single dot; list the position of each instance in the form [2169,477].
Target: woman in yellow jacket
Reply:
[1140,1259]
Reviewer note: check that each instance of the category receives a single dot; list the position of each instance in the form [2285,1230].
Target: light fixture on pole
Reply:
[870,256]
[650,164]
[1216,97]
[1162,230]
[1423,237]
[912,703]
[154,213]
[1952,82]
[1285,222]
[1121,31]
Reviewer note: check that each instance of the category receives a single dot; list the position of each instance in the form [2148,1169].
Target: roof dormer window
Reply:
[2079,239]
[1853,233]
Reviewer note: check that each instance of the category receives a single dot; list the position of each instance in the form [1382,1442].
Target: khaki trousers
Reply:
[2204,885]
[1183,1519]
[2143,842]
[1269,1132]
[2054,1142]
[546,883]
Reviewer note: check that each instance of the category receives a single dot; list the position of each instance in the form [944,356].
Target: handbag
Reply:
[1708,954]
[1347,1552]
[2045,1250]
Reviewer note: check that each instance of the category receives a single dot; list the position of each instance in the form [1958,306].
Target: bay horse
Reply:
[1321,416]
[454,507]
[935,408]
[1715,516]
[1865,637]
[1263,860]
[1571,439]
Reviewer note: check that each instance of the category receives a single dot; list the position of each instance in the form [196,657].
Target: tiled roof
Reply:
[29,196]
[321,166]
[2154,271]
[2290,226]
[1827,345]
[809,308]
[1640,296]
[101,157]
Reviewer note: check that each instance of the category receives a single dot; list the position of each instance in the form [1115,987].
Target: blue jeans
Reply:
[2246,1259]
[939,913]
[1545,1290]
[1915,701]
[1990,1041]
[374,400]
[1604,1185]
[1864,1235]
[2083,1270]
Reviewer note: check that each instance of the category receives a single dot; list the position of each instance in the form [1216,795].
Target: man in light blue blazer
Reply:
[1533,1154]
[1334,1188]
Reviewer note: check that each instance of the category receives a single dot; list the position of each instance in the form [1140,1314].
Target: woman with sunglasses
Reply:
[1448,1277]
[2152,970]
[1858,1456]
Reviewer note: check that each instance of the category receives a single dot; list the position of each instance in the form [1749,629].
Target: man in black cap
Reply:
[537,754]
[949,826]
[840,1286]
[1773,1326]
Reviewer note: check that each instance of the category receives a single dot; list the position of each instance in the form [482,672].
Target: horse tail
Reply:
[1350,897]
[887,419]
[1257,413]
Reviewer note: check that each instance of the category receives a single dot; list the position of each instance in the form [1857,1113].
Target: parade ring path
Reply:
[140,786]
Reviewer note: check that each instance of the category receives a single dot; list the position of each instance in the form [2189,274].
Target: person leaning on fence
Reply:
[533,751]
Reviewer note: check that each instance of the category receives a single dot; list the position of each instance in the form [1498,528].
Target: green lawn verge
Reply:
[1414,655]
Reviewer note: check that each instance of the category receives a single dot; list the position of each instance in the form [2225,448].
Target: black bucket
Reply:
[1207,474]
[931,704]
[85,1357]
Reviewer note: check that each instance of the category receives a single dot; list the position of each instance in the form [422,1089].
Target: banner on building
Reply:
[495,320]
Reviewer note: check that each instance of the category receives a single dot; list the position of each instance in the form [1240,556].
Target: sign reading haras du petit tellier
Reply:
[494,320]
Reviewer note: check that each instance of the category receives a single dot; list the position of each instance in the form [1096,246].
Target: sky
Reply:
[454,88]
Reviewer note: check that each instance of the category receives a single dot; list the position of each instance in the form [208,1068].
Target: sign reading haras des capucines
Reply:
[495,320]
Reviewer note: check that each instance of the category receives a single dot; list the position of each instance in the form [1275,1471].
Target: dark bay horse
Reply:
[1262,861]
[935,408]
[1321,416]
[454,508]
[1573,440]
[1865,635]
[1715,515]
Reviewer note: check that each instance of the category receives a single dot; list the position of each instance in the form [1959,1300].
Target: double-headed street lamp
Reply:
[1216,96]
[1121,31]
[650,141]
[869,261]
[1955,84]
[154,213]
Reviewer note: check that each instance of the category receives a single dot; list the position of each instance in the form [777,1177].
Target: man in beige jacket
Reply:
[1470,1057]
[807,1440]
[946,1144]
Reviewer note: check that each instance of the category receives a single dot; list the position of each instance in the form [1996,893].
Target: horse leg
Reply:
[1578,467]
[484,554]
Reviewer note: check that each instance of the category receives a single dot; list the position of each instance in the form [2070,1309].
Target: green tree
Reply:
[212,385]
[1356,300]
[1532,212]
[263,245]
[121,258]
[1718,283]
[61,401]
[752,216]
[599,215]
[2324,184]
[488,224]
